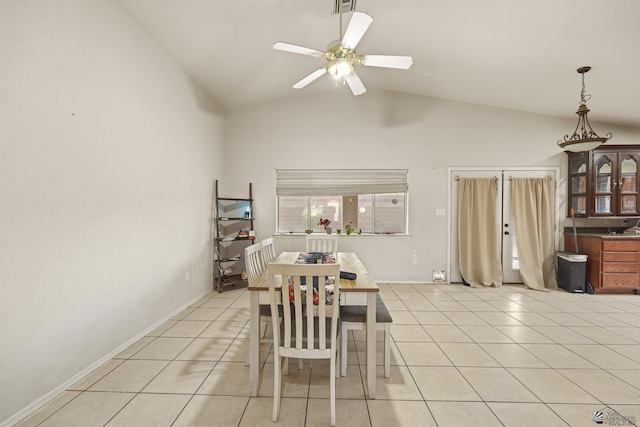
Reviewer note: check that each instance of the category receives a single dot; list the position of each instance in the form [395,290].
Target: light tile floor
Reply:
[504,356]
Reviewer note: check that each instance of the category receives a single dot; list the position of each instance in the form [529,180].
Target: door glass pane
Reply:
[628,169]
[603,204]
[578,184]
[603,174]
[515,261]
[628,166]
[603,183]
[628,204]
[578,165]
[628,184]
[579,204]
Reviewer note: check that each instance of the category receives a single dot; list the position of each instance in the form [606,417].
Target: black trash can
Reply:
[571,271]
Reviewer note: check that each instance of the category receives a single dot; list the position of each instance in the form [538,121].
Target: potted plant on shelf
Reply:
[349,229]
[326,223]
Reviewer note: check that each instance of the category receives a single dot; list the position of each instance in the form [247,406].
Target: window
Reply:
[371,201]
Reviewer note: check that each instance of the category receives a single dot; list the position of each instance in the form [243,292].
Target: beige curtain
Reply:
[478,232]
[533,207]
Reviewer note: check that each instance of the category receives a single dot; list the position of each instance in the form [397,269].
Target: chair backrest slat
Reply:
[322,332]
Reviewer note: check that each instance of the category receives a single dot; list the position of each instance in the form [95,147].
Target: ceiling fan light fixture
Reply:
[340,67]
[584,138]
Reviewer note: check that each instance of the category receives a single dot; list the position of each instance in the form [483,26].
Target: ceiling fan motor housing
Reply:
[342,60]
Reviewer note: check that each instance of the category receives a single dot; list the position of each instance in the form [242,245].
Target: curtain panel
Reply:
[479,232]
[533,215]
[340,182]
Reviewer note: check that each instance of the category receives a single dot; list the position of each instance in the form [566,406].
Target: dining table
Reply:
[362,291]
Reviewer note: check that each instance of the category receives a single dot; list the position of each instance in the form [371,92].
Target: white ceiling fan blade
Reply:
[288,47]
[355,83]
[402,62]
[311,77]
[358,25]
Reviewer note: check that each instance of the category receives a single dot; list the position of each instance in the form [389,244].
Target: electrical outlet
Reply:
[188,276]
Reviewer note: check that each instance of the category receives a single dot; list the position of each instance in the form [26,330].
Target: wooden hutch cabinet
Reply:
[605,182]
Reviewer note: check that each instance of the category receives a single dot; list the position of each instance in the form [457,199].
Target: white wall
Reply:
[389,130]
[108,153]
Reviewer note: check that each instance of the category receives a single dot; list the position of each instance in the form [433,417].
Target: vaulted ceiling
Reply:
[514,54]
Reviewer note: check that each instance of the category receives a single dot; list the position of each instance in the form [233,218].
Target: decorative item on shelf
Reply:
[326,223]
[247,213]
[243,276]
[584,137]
[308,231]
[338,231]
[349,230]
[252,234]
[243,234]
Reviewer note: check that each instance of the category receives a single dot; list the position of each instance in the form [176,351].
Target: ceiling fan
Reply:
[342,58]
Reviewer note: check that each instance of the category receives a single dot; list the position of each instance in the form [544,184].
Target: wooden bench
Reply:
[354,317]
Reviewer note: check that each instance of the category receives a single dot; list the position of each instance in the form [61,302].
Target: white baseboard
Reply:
[47,398]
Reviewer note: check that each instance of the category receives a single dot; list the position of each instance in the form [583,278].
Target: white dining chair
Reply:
[268,250]
[306,330]
[253,261]
[322,242]
[354,318]
[255,265]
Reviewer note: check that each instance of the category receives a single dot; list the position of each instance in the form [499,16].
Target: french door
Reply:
[508,247]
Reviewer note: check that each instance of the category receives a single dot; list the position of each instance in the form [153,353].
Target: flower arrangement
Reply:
[324,222]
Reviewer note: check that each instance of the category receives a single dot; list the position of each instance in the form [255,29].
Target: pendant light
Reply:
[584,137]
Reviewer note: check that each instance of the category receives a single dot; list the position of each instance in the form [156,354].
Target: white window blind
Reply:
[336,182]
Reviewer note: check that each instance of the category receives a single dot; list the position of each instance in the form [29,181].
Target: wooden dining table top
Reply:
[348,261]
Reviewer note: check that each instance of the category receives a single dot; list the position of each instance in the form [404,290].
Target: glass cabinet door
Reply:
[628,185]
[578,184]
[603,184]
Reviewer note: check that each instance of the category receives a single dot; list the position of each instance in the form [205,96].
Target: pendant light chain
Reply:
[584,97]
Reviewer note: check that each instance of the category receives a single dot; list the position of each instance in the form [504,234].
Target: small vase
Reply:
[328,230]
